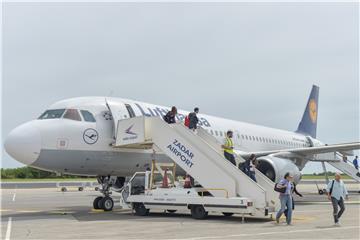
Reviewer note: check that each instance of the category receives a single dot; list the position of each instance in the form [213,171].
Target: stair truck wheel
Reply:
[140,209]
[107,203]
[321,192]
[96,203]
[228,214]
[198,212]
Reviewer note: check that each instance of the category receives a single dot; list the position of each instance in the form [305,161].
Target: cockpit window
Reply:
[51,114]
[72,114]
[88,117]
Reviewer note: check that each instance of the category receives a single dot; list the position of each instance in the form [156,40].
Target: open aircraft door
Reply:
[237,139]
[119,111]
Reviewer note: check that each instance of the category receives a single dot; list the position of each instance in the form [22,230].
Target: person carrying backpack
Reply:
[193,119]
[336,193]
[170,116]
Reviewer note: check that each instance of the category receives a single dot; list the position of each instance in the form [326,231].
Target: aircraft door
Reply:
[237,138]
[118,110]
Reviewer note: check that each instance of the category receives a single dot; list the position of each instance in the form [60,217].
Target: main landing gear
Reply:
[106,202]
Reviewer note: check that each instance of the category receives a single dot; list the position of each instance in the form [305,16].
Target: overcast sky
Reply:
[243,61]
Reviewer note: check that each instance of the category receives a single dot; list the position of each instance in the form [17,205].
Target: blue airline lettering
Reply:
[157,111]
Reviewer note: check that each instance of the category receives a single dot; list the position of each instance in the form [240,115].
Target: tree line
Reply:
[29,172]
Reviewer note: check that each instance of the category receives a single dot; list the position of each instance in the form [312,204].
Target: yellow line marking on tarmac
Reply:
[270,233]
[5,210]
[93,210]
[300,218]
[62,212]
[96,210]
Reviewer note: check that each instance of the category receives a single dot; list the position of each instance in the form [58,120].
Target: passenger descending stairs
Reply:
[271,196]
[197,155]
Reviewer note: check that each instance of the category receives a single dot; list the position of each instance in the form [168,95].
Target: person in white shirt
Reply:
[336,193]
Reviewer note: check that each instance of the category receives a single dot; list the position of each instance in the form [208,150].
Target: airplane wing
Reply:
[309,150]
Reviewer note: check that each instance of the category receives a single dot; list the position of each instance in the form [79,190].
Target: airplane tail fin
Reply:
[309,120]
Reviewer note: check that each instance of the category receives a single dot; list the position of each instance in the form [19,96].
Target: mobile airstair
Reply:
[228,189]
[335,159]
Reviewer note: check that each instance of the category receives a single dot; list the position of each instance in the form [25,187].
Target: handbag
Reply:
[280,190]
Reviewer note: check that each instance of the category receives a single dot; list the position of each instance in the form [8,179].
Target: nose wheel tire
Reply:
[107,203]
[96,203]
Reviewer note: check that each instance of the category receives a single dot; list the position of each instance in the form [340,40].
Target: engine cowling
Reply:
[275,168]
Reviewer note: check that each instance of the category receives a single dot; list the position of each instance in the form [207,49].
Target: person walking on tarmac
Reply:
[170,116]
[193,119]
[336,191]
[293,190]
[285,198]
[228,147]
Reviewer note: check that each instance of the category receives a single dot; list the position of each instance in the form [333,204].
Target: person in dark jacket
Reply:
[193,119]
[170,116]
[245,166]
[356,163]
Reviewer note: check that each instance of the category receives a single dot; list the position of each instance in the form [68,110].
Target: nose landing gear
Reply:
[106,202]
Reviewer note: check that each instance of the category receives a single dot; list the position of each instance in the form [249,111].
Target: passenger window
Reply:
[52,114]
[130,110]
[87,116]
[216,132]
[211,131]
[257,139]
[221,134]
[72,114]
[246,137]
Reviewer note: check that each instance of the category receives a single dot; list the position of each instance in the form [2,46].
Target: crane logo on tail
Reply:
[313,110]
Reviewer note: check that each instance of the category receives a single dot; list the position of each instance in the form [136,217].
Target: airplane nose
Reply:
[24,143]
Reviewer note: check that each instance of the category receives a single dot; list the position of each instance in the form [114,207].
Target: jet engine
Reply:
[275,168]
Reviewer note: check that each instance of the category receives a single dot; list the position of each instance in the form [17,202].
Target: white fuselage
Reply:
[71,146]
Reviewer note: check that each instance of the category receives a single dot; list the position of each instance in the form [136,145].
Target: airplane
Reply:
[75,136]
